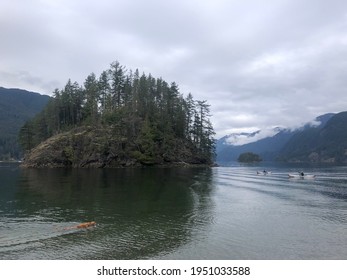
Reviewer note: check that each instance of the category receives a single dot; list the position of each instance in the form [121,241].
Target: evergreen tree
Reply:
[190,114]
[104,95]
[26,136]
[203,128]
[91,92]
[148,116]
[117,84]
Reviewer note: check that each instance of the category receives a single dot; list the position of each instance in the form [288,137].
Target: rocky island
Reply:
[249,157]
[120,119]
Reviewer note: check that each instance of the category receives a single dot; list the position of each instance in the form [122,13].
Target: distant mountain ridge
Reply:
[16,107]
[325,143]
[267,147]
[234,138]
[281,145]
[243,138]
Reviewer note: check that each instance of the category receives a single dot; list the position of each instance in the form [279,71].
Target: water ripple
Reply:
[219,213]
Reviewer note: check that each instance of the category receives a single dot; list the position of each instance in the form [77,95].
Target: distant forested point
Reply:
[121,118]
[249,157]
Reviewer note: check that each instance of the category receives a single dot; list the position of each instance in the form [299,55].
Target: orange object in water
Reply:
[86,225]
[83,225]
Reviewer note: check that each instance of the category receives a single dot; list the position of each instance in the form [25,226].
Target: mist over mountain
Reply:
[324,143]
[243,138]
[272,147]
[267,147]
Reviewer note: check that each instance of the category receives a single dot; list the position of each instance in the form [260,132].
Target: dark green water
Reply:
[173,213]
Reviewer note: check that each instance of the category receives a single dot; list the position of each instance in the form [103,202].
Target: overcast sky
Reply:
[259,64]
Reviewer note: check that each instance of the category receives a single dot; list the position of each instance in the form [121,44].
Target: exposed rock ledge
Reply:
[98,147]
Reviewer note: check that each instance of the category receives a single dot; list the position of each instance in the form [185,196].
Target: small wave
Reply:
[25,233]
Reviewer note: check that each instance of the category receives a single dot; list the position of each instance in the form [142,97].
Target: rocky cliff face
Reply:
[99,147]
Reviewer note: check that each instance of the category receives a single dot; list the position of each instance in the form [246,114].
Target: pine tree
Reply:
[117,74]
[104,95]
[91,93]
[190,114]
[203,129]
[150,117]
[26,136]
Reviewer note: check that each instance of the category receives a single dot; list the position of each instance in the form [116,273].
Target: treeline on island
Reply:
[249,157]
[120,118]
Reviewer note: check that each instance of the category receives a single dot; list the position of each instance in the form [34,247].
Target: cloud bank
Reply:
[260,64]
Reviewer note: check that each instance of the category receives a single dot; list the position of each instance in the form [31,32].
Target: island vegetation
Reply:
[249,157]
[121,118]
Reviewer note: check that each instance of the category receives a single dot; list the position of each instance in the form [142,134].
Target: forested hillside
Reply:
[267,148]
[326,143]
[288,145]
[120,118]
[16,107]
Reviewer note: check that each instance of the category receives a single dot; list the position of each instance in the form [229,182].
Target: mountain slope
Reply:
[326,143]
[16,107]
[273,147]
[267,148]
[235,139]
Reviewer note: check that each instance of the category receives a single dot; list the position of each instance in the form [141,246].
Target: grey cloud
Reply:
[259,63]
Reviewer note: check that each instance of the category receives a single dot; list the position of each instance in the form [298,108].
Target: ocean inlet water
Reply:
[226,212]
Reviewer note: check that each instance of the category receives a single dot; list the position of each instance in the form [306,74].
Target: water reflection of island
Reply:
[140,213]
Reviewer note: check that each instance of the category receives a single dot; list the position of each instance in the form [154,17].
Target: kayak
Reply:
[306,176]
[264,172]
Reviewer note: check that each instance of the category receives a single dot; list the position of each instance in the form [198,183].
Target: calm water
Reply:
[219,213]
